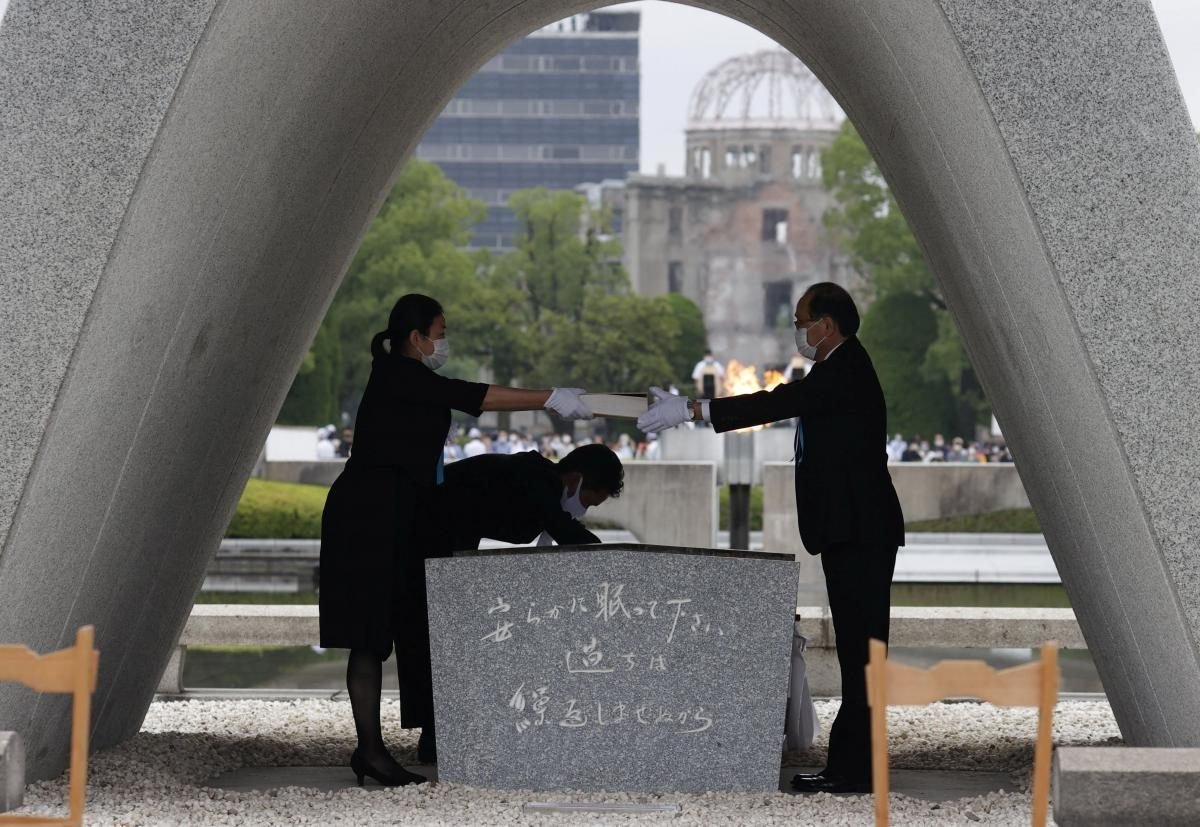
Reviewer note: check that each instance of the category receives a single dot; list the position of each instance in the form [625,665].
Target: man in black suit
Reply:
[516,497]
[509,497]
[847,507]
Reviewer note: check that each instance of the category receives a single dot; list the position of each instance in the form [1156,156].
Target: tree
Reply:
[564,248]
[868,225]
[693,337]
[555,311]
[899,329]
[579,325]
[623,343]
[415,245]
[312,399]
[563,255]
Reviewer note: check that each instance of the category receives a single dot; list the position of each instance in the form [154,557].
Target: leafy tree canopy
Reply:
[868,225]
[556,310]
[898,329]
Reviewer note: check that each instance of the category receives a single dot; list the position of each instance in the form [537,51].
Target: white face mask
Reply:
[572,504]
[441,352]
[806,350]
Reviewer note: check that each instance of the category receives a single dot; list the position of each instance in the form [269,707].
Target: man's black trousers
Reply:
[859,580]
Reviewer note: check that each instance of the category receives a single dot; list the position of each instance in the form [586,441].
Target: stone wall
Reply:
[667,503]
[706,445]
[937,490]
[317,472]
[926,492]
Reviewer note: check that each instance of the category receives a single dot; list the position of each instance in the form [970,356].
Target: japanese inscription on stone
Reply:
[611,669]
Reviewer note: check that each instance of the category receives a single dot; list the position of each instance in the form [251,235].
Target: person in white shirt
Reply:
[707,375]
[653,447]
[624,447]
[475,445]
[325,447]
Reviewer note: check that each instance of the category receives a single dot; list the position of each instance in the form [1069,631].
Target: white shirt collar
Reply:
[835,347]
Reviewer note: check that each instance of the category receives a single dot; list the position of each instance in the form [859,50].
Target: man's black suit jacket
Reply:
[844,494]
[509,497]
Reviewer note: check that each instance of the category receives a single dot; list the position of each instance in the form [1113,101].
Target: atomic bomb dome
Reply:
[770,88]
[760,114]
[740,233]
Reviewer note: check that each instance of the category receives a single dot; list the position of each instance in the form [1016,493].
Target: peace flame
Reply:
[741,378]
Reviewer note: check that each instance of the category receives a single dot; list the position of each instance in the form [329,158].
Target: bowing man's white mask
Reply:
[572,504]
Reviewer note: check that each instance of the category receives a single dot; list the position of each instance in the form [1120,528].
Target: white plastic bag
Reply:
[801,727]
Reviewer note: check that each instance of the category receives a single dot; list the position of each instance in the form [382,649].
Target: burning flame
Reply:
[741,378]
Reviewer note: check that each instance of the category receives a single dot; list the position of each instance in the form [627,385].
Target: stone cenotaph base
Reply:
[612,667]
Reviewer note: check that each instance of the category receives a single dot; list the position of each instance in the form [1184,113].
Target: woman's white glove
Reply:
[568,403]
[667,411]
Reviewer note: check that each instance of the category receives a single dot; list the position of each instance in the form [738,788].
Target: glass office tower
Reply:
[555,110]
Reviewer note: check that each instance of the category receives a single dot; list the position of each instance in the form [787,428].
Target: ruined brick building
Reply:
[740,233]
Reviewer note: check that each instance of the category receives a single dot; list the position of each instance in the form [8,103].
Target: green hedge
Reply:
[286,510]
[263,598]
[282,510]
[756,507]
[1011,521]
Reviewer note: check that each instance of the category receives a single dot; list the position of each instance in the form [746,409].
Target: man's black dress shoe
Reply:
[808,776]
[830,784]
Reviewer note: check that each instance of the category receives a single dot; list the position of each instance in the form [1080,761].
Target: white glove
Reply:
[667,411]
[567,403]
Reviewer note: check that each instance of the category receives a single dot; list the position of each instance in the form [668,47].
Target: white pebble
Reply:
[157,777]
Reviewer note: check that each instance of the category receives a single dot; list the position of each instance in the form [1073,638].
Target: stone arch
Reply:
[185,188]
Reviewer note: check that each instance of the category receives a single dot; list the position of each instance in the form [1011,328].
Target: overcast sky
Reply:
[672,64]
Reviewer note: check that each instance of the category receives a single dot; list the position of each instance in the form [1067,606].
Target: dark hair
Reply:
[600,467]
[832,300]
[411,312]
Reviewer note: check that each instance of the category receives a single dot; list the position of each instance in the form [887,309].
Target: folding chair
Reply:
[73,671]
[1033,684]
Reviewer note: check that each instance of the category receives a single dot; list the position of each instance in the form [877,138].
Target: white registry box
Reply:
[627,405]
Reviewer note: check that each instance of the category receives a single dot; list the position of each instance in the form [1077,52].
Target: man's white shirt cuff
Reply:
[704,410]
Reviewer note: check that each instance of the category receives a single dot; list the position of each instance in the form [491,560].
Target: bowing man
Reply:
[520,498]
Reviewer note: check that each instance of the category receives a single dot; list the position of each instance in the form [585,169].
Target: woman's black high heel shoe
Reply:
[399,777]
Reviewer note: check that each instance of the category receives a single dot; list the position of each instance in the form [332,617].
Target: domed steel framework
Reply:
[771,87]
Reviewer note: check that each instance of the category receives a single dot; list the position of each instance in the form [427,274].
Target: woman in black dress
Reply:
[372,568]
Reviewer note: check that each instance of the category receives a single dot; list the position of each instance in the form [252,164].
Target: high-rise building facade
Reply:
[555,109]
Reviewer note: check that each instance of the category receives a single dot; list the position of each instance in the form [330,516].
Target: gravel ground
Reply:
[158,776]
